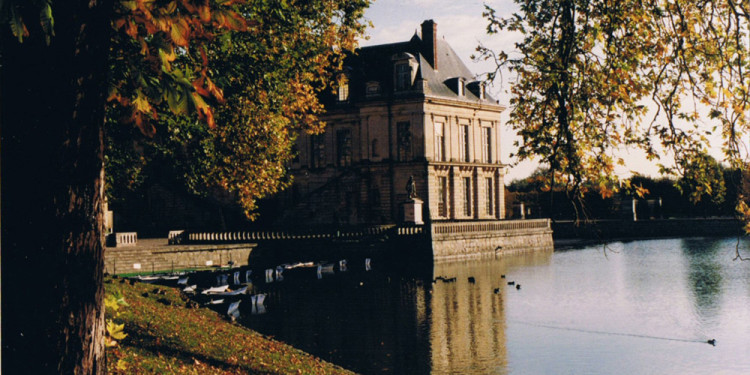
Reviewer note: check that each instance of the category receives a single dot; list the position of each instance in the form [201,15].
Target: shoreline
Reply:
[575,243]
[170,334]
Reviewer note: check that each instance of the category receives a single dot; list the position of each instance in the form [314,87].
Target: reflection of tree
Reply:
[704,273]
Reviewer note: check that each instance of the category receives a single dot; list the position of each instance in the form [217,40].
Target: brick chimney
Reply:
[429,43]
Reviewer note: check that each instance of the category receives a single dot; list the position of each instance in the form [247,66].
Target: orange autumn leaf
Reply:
[205,13]
[198,86]
[180,33]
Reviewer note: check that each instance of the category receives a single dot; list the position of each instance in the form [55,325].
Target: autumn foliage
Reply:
[591,78]
[162,30]
[251,70]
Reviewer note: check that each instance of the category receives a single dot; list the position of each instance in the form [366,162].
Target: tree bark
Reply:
[52,100]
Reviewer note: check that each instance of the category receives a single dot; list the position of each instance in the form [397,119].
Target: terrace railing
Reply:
[448,228]
[331,233]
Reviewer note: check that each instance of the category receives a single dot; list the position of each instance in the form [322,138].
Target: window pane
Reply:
[439,142]
[403,76]
[344,147]
[463,139]
[490,196]
[443,196]
[467,196]
[344,92]
[373,88]
[318,145]
[487,145]
[403,133]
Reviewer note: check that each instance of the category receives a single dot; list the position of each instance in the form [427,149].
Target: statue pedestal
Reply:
[413,211]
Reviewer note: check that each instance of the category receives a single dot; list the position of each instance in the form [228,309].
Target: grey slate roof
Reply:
[373,63]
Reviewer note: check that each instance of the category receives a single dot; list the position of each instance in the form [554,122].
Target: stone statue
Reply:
[411,187]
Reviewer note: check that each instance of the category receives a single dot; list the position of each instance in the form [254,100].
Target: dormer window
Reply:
[403,76]
[372,89]
[404,71]
[343,90]
[458,86]
[477,88]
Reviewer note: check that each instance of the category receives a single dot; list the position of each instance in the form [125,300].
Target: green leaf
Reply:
[17,26]
[129,5]
[178,103]
[47,21]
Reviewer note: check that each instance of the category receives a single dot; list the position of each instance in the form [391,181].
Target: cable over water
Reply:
[711,341]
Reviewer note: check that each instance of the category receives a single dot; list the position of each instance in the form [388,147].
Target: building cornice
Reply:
[487,106]
[405,100]
[467,164]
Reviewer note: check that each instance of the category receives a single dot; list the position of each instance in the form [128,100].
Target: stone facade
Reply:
[405,109]
[487,239]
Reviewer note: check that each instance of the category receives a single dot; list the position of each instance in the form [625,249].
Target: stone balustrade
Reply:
[176,237]
[410,231]
[126,239]
[439,229]
[446,228]
[320,234]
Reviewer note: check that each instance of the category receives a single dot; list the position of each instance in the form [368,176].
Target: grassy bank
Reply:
[166,335]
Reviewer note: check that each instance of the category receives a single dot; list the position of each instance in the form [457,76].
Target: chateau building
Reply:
[405,110]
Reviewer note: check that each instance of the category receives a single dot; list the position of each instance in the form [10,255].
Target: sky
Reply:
[461,24]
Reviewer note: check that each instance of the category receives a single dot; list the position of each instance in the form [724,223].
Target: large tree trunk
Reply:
[52,111]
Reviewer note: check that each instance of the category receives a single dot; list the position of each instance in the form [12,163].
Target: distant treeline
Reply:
[666,197]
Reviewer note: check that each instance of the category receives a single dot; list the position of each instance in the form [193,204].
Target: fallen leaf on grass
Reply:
[121,365]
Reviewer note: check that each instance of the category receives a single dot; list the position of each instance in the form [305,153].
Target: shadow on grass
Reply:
[169,348]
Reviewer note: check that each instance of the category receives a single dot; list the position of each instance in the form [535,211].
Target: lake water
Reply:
[642,307]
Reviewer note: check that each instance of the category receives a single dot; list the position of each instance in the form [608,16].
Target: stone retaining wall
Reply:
[509,237]
[441,241]
[157,256]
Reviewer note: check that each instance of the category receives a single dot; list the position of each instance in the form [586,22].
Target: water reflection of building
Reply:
[467,327]
[390,323]
[468,319]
